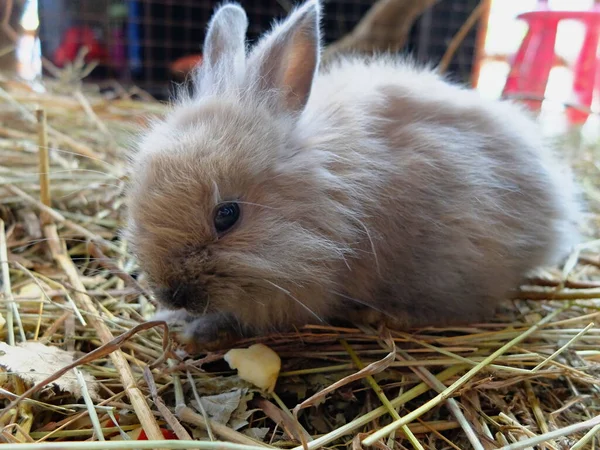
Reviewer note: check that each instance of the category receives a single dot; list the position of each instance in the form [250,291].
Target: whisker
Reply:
[93,259]
[207,305]
[372,245]
[286,292]
[176,291]
[59,150]
[22,246]
[31,242]
[235,322]
[111,175]
[363,303]
[78,191]
[102,271]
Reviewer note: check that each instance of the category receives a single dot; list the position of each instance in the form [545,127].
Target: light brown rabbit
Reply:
[279,195]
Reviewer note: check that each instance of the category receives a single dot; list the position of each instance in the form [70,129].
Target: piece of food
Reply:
[257,364]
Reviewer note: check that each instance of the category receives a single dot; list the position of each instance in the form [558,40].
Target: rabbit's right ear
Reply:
[285,61]
[224,53]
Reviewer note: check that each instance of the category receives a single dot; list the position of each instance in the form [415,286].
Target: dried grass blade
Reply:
[289,423]
[563,348]
[211,435]
[379,392]
[187,415]
[538,413]
[6,288]
[579,445]
[460,36]
[44,165]
[90,405]
[371,369]
[21,433]
[304,435]
[25,411]
[452,404]
[85,104]
[178,387]
[162,408]
[544,438]
[526,431]
[442,437]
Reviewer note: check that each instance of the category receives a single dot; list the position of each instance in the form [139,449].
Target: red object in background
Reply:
[140,435]
[185,64]
[75,38]
[531,65]
[167,434]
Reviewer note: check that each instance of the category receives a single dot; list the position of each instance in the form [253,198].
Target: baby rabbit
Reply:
[279,194]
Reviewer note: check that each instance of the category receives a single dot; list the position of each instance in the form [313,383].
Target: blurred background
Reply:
[152,43]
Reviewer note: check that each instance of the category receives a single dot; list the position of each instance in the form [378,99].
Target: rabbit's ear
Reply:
[285,61]
[224,53]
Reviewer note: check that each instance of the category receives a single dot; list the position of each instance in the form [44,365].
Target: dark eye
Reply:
[226,216]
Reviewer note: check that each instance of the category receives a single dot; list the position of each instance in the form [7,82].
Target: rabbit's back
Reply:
[461,197]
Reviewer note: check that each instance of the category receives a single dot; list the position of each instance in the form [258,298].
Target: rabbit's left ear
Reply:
[285,61]
[224,52]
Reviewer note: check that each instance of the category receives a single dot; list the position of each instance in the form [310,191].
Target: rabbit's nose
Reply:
[182,295]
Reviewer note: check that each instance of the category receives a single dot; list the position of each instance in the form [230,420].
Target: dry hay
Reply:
[529,379]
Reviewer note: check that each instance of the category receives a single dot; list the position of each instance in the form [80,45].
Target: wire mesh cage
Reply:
[137,41]
[433,32]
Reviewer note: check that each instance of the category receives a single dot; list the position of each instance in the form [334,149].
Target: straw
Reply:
[526,377]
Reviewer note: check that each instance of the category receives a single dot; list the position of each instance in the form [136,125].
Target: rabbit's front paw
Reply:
[210,332]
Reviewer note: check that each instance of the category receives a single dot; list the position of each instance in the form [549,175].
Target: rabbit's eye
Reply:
[226,216]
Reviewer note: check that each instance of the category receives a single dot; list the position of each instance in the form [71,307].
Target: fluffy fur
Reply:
[371,185]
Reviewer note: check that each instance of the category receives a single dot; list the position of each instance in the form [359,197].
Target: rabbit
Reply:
[280,194]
